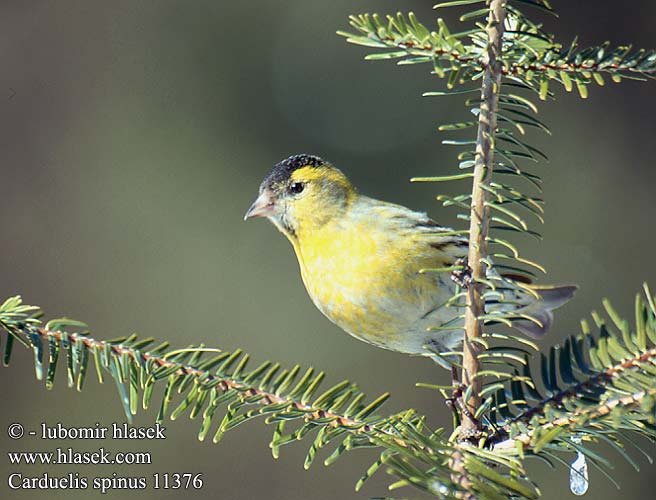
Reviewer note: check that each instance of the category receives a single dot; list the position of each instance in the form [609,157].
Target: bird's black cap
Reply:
[283,170]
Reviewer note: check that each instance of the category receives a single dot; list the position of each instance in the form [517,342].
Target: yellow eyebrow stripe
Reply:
[324,173]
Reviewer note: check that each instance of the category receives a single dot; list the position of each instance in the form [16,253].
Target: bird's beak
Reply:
[263,206]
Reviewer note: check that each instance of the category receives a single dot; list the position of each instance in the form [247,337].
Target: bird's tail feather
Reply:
[539,312]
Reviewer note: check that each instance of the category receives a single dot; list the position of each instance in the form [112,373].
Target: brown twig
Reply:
[479,222]
[514,68]
[629,402]
[267,398]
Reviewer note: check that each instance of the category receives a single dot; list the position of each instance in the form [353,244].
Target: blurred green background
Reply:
[134,136]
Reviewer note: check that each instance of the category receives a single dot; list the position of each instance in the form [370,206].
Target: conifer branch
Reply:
[583,417]
[162,362]
[480,211]
[531,56]
[260,397]
[602,378]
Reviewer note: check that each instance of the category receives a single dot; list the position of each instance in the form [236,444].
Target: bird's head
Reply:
[302,193]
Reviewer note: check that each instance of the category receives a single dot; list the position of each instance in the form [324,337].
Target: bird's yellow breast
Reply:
[363,275]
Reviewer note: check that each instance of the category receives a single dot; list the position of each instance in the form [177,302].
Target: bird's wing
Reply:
[420,229]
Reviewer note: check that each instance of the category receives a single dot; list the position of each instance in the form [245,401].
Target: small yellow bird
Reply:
[360,260]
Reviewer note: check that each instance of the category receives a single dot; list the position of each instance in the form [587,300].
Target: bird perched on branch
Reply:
[366,263]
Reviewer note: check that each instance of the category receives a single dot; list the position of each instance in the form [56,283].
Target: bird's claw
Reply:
[460,411]
[462,277]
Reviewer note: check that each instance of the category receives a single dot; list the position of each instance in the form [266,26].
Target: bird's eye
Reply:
[296,187]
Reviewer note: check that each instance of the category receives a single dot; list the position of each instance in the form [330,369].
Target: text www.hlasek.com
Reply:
[70,457]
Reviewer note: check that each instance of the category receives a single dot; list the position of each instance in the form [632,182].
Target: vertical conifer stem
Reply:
[479,222]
